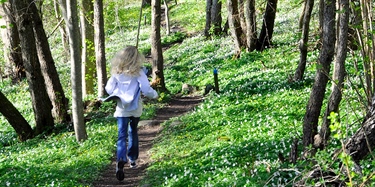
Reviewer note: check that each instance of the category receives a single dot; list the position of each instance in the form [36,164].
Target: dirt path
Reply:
[148,131]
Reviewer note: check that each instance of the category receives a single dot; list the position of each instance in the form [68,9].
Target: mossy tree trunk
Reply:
[88,48]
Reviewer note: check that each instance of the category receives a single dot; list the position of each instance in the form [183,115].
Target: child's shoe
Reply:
[120,170]
[133,164]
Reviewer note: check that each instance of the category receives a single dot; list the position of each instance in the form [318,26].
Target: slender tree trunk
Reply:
[88,49]
[15,119]
[53,85]
[302,16]
[207,28]
[310,123]
[71,19]
[251,28]
[11,40]
[298,75]
[100,47]
[234,25]
[64,38]
[338,72]
[216,18]
[41,103]
[166,13]
[265,36]
[156,49]
[367,47]
[241,12]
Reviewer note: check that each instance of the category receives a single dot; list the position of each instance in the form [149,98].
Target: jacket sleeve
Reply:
[146,89]
[111,85]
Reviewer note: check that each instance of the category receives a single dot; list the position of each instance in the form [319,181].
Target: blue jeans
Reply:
[127,130]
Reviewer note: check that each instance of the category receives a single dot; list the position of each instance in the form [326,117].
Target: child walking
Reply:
[127,80]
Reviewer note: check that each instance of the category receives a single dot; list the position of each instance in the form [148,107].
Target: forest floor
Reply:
[148,131]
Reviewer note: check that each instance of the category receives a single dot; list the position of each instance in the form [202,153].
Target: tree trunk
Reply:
[265,36]
[100,47]
[41,103]
[298,75]
[64,38]
[251,28]
[241,12]
[216,18]
[53,85]
[363,140]
[166,13]
[367,48]
[338,72]
[302,16]
[11,40]
[88,49]
[310,123]
[15,119]
[71,19]
[234,26]
[156,49]
[207,28]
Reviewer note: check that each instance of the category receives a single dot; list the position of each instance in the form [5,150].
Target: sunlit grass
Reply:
[59,160]
[231,139]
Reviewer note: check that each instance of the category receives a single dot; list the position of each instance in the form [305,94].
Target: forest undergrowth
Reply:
[239,137]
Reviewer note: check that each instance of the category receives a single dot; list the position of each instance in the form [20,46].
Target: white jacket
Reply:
[126,90]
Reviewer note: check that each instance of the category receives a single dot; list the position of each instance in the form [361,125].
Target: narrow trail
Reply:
[148,131]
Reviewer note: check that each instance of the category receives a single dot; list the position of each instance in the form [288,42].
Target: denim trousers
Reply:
[127,142]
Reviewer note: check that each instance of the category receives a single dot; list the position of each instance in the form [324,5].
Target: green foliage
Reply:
[232,139]
[59,160]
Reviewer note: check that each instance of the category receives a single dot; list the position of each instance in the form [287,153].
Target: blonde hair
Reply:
[127,61]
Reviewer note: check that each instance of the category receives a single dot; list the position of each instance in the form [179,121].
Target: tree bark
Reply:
[71,19]
[64,38]
[265,36]
[363,141]
[53,85]
[11,40]
[216,18]
[241,12]
[251,28]
[207,28]
[310,123]
[88,48]
[213,18]
[234,26]
[15,119]
[156,50]
[100,47]
[338,72]
[41,103]
[166,13]
[298,75]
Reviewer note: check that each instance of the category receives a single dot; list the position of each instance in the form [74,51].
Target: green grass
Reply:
[231,139]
